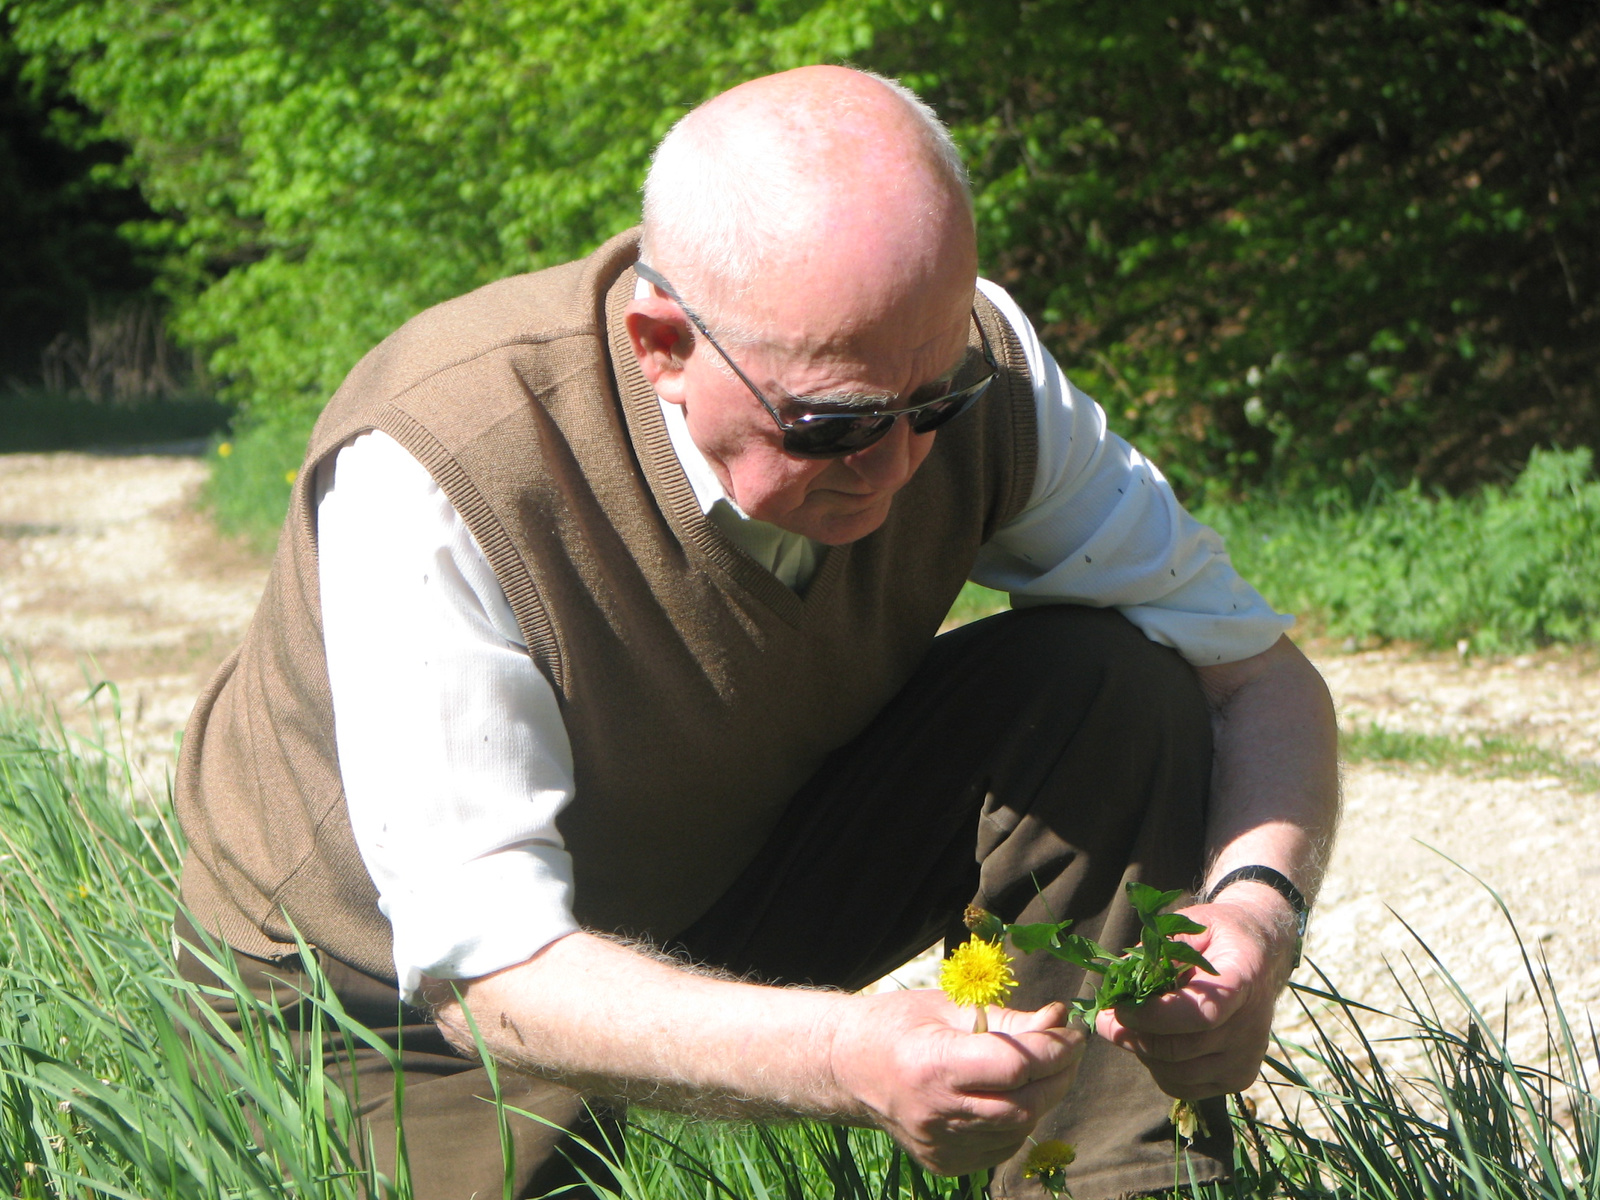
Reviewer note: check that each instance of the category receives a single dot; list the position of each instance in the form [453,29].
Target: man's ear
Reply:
[661,341]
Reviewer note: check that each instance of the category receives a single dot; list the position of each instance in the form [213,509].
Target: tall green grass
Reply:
[1504,569]
[115,1081]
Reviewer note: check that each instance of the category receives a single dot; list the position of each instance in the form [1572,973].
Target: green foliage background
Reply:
[1297,242]
[63,198]
[1289,243]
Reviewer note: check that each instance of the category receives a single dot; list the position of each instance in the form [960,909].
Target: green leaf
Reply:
[1082,952]
[1041,936]
[1147,902]
[1185,953]
[1171,923]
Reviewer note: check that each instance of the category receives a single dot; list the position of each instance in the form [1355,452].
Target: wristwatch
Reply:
[1278,882]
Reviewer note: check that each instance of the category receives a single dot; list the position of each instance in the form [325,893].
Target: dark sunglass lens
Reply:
[953,406]
[834,438]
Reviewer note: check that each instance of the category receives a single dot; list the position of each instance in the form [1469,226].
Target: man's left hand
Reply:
[1209,1036]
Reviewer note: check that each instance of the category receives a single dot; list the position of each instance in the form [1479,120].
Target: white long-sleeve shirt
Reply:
[451,746]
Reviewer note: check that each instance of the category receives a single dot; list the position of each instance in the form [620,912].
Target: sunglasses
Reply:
[835,434]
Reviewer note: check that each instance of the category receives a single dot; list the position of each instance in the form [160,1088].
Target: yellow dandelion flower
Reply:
[224,449]
[288,476]
[978,973]
[1047,1162]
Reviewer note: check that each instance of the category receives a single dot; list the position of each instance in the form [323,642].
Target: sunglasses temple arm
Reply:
[650,275]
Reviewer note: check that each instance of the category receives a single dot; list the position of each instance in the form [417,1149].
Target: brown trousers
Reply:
[1036,761]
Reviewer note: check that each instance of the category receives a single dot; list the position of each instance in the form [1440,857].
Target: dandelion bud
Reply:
[983,923]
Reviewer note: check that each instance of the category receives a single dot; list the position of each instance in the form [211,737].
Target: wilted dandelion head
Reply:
[1047,1162]
[979,972]
[983,923]
[1188,1119]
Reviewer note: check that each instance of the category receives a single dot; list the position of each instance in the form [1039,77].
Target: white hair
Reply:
[726,205]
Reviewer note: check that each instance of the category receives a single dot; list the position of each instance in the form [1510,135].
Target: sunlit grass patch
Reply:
[1488,754]
[1504,568]
[974,603]
[252,473]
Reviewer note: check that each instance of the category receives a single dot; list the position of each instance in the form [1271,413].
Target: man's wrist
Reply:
[1257,876]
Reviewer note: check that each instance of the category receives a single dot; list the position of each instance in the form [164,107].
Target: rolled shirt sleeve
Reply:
[1103,528]
[454,757]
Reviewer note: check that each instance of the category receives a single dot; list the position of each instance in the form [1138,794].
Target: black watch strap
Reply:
[1278,882]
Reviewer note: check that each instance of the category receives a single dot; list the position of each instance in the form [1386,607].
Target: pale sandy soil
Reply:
[107,571]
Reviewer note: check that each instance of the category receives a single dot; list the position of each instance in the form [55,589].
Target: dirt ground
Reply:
[107,571]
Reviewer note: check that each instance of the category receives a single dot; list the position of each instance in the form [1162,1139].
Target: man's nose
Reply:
[892,459]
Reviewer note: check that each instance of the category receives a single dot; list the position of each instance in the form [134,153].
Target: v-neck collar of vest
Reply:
[664,473]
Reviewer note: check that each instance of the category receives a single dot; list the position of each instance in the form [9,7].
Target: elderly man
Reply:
[604,621]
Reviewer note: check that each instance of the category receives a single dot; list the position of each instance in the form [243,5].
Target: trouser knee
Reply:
[1108,764]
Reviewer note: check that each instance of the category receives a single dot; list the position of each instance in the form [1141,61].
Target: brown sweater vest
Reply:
[697,690]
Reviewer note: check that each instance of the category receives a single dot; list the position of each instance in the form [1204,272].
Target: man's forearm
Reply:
[1275,784]
[609,1020]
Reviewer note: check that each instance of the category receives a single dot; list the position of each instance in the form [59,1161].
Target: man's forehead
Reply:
[867,373]
[873,312]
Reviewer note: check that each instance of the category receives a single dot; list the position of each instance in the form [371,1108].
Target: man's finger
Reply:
[1008,1114]
[1212,1075]
[1169,1048]
[1039,1097]
[1202,1003]
[1004,1062]
[965,1158]
[1010,1020]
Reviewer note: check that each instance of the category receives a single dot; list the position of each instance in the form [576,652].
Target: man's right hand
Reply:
[956,1100]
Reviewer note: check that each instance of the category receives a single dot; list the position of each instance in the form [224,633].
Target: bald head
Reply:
[818,190]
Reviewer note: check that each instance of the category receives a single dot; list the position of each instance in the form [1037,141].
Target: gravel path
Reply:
[107,571]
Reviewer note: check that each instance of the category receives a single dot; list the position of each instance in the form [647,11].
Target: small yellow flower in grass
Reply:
[289,476]
[1048,1162]
[224,449]
[977,974]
